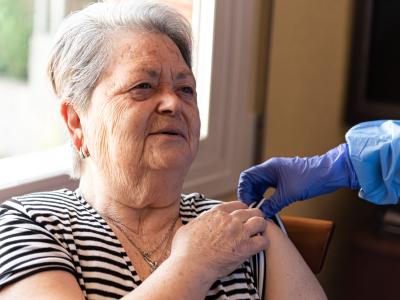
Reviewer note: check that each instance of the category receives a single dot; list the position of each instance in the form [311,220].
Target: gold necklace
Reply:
[153,264]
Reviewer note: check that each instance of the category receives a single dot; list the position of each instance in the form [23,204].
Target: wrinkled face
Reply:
[143,114]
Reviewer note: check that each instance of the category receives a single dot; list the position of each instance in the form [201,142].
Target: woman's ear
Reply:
[73,122]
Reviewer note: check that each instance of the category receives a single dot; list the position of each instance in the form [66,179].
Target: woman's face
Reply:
[143,114]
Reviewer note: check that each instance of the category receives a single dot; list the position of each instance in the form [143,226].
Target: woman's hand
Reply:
[218,241]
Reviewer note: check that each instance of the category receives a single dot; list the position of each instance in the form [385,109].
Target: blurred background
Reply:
[278,77]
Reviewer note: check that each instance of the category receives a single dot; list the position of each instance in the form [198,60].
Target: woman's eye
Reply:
[144,85]
[187,90]
[142,91]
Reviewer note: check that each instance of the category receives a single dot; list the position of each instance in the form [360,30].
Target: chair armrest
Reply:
[311,238]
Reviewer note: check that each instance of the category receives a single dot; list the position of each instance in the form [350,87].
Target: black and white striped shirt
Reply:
[59,230]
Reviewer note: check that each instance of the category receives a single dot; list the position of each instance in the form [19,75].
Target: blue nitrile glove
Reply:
[297,178]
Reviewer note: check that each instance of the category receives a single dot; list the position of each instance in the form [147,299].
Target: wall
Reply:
[309,49]
[305,100]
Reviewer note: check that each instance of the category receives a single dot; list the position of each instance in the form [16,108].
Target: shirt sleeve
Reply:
[259,267]
[27,247]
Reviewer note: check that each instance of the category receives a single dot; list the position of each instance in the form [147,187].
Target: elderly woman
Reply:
[123,75]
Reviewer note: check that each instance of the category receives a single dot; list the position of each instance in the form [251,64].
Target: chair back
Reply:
[311,238]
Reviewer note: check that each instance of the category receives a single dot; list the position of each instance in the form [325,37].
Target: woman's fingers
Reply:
[255,225]
[245,214]
[252,219]
[229,207]
[256,228]
[258,243]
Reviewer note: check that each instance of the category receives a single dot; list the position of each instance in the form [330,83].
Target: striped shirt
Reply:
[59,230]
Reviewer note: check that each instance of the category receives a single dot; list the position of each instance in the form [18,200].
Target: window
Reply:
[224,50]
[201,16]
[230,85]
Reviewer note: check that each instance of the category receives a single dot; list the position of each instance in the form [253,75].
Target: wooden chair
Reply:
[311,237]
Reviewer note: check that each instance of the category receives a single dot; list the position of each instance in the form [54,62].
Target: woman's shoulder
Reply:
[33,235]
[194,204]
[64,196]
[61,202]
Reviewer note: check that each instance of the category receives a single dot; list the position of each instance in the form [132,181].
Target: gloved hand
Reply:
[297,178]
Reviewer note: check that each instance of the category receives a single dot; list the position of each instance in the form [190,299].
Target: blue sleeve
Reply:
[374,149]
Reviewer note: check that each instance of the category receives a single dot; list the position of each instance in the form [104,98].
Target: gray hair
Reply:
[81,49]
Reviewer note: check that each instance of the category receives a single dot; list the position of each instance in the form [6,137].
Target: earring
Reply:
[82,154]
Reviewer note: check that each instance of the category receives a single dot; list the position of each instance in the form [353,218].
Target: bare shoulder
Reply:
[274,231]
[288,275]
[54,285]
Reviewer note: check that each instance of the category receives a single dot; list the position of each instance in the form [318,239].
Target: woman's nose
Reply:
[170,103]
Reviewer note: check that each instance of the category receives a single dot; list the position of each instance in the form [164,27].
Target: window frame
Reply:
[229,146]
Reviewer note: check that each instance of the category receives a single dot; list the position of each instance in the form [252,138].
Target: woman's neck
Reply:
[145,205]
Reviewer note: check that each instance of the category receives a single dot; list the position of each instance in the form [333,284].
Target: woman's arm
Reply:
[288,276]
[173,280]
[47,285]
